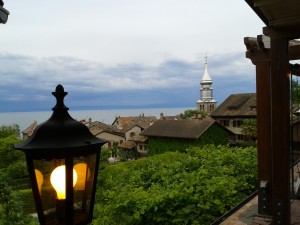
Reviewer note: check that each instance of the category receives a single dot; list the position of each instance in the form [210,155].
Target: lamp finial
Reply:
[60,95]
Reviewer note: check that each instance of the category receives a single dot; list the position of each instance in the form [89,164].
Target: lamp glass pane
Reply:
[85,168]
[49,194]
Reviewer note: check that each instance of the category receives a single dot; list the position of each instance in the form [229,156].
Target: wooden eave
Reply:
[277,13]
[258,50]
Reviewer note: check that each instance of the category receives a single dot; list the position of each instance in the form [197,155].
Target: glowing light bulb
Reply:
[58,181]
[40,179]
[83,173]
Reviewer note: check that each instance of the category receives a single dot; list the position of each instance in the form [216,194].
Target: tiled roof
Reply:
[138,138]
[29,130]
[130,121]
[243,105]
[127,145]
[97,126]
[178,128]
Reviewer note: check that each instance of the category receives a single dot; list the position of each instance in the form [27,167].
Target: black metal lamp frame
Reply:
[64,139]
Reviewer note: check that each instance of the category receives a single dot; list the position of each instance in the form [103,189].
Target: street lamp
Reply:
[3,13]
[62,157]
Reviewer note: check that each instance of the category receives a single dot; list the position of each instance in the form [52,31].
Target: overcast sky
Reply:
[123,53]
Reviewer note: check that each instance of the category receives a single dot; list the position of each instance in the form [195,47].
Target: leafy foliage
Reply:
[190,113]
[8,130]
[11,208]
[249,128]
[295,92]
[125,155]
[8,154]
[176,188]
[105,154]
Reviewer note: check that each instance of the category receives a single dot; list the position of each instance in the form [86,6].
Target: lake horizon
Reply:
[25,119]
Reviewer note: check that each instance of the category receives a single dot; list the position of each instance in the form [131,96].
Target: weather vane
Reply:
[205,57]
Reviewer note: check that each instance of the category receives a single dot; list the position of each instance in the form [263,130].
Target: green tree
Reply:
[8,130]
[176,188]
[249,128]
[11,208]
[190,113]
[114,149]
[295,92]
[8,154]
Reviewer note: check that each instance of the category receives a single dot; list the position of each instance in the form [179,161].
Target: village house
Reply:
[235,109]
[131,127]
[29,130]
[172,135]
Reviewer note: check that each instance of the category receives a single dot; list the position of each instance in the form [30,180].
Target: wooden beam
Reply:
[263,41]
[258,56]
[288,32]
[258,49]
[280,128]
[263,104]
[251,43]
[258,3]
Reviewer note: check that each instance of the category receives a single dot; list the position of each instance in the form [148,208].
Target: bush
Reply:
[105,154]
[176,188]
[26,197]
[17,170]
[8,154]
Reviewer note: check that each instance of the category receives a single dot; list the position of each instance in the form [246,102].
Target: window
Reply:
[225,123]
[239,137]
[237,123]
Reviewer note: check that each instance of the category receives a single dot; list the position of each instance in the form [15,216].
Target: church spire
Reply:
[206,77]
[206,103]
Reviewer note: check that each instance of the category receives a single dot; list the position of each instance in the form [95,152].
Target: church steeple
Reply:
[206,103]
[206,79]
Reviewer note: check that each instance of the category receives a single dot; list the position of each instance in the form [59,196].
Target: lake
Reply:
[24,119]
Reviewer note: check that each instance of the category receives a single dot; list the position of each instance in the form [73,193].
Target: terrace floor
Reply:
[248,214]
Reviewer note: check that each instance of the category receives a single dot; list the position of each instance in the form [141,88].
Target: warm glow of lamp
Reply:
[40,179]
[58,181]
[83,173]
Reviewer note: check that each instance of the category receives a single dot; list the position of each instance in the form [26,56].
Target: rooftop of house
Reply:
[97,127]
[127,145]
[237,105]
[29,130]
[130,121]
[179,128]
[163,117]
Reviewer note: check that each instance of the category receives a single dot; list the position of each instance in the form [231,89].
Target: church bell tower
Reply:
[206,103]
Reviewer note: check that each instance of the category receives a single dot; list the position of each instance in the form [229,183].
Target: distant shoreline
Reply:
[24,119]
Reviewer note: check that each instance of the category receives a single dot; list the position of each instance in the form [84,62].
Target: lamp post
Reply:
[62,157]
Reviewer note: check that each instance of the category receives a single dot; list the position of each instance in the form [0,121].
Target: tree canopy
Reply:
[195,187]
[190,113]
[8,130]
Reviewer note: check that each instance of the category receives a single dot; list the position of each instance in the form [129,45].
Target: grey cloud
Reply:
[27,80]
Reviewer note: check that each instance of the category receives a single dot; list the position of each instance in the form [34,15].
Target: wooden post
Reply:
[259,54]
[280,130]
[263,104]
